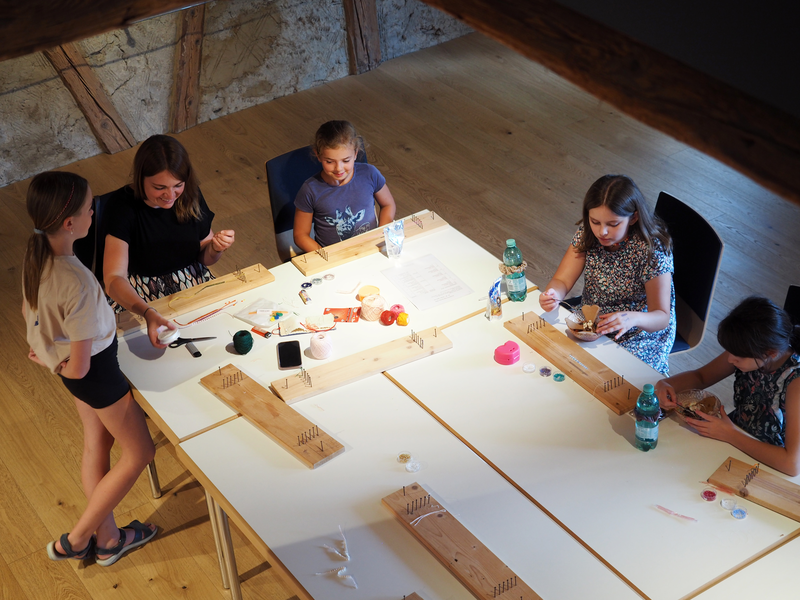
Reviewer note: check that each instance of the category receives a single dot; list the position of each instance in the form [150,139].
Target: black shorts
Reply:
[104,384]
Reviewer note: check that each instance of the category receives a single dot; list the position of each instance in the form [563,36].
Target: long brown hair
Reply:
[52,197]
[622,197]
[164,153]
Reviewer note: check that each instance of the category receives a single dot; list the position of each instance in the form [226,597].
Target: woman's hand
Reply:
[618,321]
[549,300]
[666,394]
[154,320]
[717,428]
[222,240]
[36,359]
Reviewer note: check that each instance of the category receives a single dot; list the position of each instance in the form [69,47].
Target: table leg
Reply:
[227,549]
[152,475]
[212,516]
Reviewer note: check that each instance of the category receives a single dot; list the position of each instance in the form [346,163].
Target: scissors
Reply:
[190,345]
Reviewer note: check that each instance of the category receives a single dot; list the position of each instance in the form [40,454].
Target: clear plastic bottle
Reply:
[647,412]
[515,282]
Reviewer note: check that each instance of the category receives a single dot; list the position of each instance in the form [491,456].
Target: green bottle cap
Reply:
[510,243]
[648,388]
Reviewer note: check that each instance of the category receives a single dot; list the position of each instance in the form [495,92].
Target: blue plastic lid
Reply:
[510,243]
[648,388]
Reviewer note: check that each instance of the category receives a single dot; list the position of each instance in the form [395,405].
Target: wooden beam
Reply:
[34,25]
[747,134]
[363,35]
[188,57]
[107,125]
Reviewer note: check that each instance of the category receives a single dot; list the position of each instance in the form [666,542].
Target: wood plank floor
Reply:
[496,144]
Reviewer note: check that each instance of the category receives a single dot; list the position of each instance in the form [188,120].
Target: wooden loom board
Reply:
[473,564]
[365,244]
[414,596]
[768,490]
[196,297]
[557,348]
[272,416]
[337,373]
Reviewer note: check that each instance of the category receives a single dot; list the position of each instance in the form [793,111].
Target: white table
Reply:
[295,510]
[569,452]
[166,381]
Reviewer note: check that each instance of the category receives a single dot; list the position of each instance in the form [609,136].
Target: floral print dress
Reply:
[760,400]
[614,280]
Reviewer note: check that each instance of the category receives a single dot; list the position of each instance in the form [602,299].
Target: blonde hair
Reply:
[52,197]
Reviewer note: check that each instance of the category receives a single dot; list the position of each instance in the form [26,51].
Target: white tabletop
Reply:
[576,457]
[295,510]
[774,576]
[168,379]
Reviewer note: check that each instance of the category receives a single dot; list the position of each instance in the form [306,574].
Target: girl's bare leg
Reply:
[104,487]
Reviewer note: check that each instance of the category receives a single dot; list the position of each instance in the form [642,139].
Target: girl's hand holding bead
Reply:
[666,394]
[548,300]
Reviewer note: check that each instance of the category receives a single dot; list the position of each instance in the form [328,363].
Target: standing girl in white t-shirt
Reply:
[71,331]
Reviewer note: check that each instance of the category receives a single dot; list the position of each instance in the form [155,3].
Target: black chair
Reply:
[697,253]
[792,303]
[285,175]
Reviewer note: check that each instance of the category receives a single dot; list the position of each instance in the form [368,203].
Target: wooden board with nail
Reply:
[583,368]
[196,297]
[307,442]
[352,368]
[764,488]
[365,244]
[473,564]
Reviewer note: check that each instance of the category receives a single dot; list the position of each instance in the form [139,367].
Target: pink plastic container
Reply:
[507,354]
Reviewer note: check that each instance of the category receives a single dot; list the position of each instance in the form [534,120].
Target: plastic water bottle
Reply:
[647,412]
[515,282]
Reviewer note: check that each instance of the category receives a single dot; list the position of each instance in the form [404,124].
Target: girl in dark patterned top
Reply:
[625,254]
[762,351]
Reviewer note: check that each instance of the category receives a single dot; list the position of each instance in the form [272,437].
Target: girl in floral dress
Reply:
[762,352]
[625,254]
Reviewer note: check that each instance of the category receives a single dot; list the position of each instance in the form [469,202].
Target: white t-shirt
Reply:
[72,306]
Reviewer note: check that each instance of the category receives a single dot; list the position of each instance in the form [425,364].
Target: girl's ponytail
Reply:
[52,197]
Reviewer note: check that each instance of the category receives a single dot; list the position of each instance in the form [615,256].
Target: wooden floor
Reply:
[496,144]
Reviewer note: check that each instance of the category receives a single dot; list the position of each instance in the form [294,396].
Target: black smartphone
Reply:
[289,356]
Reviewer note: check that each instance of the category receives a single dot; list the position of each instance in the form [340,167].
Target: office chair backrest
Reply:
[90,250]
[285,175]
[697,253]
[792,303]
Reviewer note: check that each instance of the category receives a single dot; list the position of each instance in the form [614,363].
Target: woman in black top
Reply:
[159,237]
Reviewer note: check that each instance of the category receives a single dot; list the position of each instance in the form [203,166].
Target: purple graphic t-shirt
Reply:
[340,212]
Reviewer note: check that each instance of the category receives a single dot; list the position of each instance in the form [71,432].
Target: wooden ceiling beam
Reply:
[747,134]
[110,130]
[34,25]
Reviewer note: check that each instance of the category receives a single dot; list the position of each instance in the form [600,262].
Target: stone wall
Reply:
[253,51]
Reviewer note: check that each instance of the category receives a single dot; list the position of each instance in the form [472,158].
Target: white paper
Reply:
[427,282]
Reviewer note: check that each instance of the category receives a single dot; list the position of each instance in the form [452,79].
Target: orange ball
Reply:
[402,319]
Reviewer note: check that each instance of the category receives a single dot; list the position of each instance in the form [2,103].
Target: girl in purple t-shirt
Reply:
[339,201]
